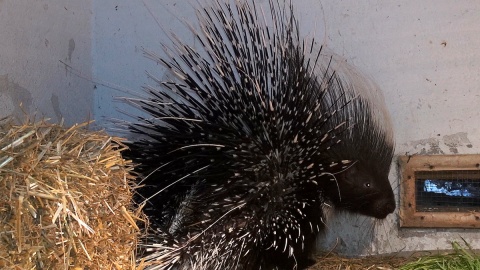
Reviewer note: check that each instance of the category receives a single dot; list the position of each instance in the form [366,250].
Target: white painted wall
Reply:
[35,38]
[122,31]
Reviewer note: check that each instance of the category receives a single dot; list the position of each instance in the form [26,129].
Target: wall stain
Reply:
[430,146]
[56,106]
[15,95]
[71,48]
[449,144]
[457,140]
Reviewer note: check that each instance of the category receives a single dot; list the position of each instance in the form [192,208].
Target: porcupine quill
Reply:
[254,136]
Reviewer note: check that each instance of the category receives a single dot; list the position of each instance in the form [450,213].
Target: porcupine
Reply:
[256,134]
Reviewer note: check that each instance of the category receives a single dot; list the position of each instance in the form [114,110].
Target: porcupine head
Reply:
[363,187]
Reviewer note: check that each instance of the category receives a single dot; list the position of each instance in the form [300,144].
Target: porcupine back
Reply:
[256,133]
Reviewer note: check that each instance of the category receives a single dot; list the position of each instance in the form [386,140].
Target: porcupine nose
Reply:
[384,207]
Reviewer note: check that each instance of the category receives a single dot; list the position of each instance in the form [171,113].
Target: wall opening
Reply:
[440,191]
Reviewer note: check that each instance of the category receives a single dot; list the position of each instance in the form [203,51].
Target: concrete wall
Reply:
[35,38]
[122,30]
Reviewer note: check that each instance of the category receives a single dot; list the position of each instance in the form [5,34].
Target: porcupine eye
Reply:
[367,185]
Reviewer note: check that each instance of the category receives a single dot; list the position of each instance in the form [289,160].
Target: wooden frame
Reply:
[409,217]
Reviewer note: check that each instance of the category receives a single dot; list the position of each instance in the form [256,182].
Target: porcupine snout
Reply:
[383,206]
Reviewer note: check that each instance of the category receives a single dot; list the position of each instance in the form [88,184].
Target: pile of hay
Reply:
[65,199]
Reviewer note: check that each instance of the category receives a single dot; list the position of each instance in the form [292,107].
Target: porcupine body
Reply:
[252,139]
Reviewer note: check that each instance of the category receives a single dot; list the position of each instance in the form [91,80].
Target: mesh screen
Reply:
[447,191]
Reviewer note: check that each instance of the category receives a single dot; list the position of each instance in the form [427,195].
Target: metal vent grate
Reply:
[447,191]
